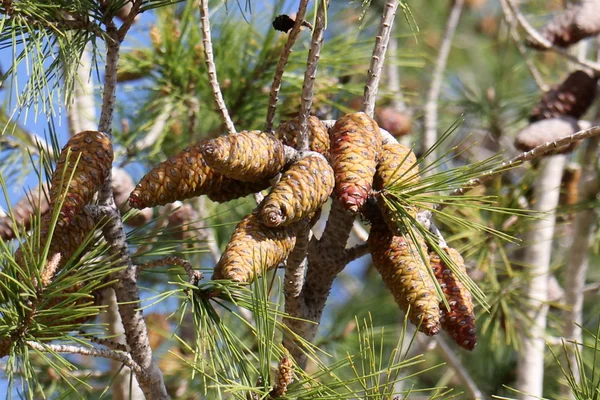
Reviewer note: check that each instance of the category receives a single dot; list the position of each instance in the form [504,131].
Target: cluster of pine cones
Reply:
[350,160]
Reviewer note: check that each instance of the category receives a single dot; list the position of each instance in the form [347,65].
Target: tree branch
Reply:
[458,367]
[285,55]
[544,43]
[536,152]
[431,107]
[378,58]
[212,70]
[94,352]
[310,74]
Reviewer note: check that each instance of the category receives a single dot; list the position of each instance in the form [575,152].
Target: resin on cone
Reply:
[254,249]
[302,190]
[355,147]
[248,156]
[83,165]
[186,175]
[401,266]
[459,321]
[318,136]
[397,166]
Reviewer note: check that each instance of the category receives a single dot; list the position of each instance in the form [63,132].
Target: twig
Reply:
[352,253]
[543,42]
[285,55]
[514,34]
[458,367]
[130,19]
[94,352]
[431,107]
[310,74]
[378,58]
[212,70]
[111,344]
[536,152]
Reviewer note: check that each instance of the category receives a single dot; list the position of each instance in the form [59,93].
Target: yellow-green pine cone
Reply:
[186,175]
[248,156]
[459,322]
[355,148]
[95,153]
[253,249]
[302,190]
[396,166]
[398,261]
[318,136]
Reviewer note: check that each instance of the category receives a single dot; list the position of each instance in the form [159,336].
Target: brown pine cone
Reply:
[24,211]
[253,249]
[401,266]
[186,175]
[82,167]
[248,156]
[355,147]
[459,322]
[571,98]
[318,136]
[302,190]
[547,130]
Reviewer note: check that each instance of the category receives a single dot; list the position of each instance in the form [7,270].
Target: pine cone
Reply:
[284,378]
[396,166]
[459,322]
[401,266]
[186,175]
[355,147]
[571,98]
[396,122]
[25,209]
[95,154]
[547,130]
[318,137]
[302,190]
[248,156]
[254,248]
[574,24]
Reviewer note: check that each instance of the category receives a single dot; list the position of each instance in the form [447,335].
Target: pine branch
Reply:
[430,136]
[543,43]
[355,252]
[378,59]
[310,74]
[514,34]
[537,152]
[212,70]
[94,352]
[285,55]
[194,276]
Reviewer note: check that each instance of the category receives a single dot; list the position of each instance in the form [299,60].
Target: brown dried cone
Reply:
[459,321]
[401,266]
[186,175]
[547,130]
[24,211]
[574,24]
[90,157]
[302,190]
[397,165]
[569,191]
[355,148]
[284,378]
[396,122]
[571,98]
[254,248]
[318,136]
[248,156]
